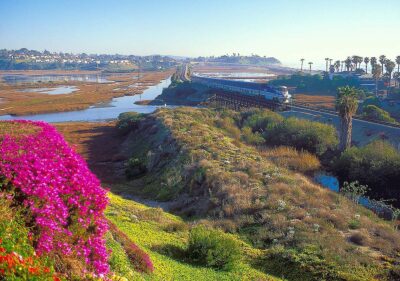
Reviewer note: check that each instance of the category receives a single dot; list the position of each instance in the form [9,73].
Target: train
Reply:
[279,94]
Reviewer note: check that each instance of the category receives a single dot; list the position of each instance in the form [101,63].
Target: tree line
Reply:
[380,67]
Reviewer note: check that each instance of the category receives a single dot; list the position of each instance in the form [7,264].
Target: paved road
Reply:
[183,75]
[363,131]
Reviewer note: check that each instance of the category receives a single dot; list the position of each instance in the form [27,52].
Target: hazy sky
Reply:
[286,29]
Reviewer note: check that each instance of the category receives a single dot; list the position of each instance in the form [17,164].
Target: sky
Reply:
[285,29]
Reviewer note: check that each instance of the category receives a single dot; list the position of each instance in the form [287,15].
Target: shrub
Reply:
[176,227]
[354,190]
[213,248]
[129,121]
[376,113]
[376,165]
[358,238]
[252,138]
[64,199]
[307,135]
[312,136]
[135,167]
[258,119]
[354,224]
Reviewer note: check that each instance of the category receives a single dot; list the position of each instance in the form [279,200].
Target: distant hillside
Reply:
[243,60]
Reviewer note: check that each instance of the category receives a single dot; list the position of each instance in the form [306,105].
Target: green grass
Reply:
[149,229]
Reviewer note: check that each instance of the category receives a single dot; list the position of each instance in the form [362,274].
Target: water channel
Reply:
[101,112]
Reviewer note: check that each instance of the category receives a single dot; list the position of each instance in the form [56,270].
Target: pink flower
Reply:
[64,197]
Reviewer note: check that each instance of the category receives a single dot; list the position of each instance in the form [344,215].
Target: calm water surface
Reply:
[60,90]
[16,79]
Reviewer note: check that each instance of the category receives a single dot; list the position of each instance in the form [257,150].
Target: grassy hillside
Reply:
[198,158]
[164,237]
[201,162]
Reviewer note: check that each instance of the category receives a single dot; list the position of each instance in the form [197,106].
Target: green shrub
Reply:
[376,165]
[354,224]
[213,248]
[258,119]
[252,138]
[376,113]
[312,136]
[135,168]
[128,121]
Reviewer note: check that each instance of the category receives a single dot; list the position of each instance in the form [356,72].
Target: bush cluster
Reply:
[376,165]
[373,112]
[135,167]
[213,248]
[128,121]
[307,135]
[64,199]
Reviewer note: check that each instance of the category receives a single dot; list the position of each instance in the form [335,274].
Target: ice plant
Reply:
[64,198]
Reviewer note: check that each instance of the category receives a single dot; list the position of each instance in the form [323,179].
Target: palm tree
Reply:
[382,60]
[359,60]
[389,65]
[396,76]
[398,63]
[310,63]
[376,73]
[337,65]
[326,60]
[342,65]
[373,61]
[346,105]
[330,62]
[366,61]
[301,68]
[348,63]
[354,60]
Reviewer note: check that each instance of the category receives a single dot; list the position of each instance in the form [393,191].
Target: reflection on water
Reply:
[95,113]
[327,181]
[60,90]
[15,78]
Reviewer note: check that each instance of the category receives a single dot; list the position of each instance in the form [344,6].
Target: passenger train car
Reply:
[279,94]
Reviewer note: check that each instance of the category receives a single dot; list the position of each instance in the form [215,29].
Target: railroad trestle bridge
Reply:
[238,101]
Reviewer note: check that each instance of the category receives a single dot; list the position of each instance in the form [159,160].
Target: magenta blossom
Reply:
[65,199]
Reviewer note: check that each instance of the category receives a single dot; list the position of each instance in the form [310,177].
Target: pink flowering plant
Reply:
[65,200]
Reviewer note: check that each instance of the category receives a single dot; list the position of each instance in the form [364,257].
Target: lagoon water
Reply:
[59,90]
[16,78]
[97,113]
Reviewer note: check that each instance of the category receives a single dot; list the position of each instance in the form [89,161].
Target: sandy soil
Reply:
[24,103]
[98,142]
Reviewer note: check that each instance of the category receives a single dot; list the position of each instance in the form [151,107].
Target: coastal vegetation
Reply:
[243,189]
[376,165]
